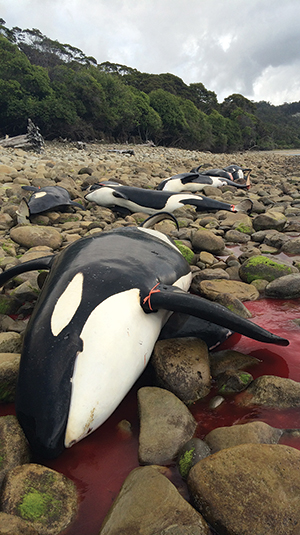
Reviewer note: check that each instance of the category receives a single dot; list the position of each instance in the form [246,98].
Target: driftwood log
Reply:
[33,140]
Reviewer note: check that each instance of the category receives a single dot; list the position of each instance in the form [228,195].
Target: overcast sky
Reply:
[250,47]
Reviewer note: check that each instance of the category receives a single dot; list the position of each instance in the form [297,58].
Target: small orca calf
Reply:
[95,324]
[127,199]
[43,200]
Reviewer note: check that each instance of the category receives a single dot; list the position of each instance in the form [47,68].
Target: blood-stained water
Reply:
[99,464]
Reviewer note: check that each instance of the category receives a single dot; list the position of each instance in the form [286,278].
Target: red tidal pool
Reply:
[99,464]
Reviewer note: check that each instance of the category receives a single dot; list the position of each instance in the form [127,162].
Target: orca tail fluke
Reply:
[175,299]
[39,263]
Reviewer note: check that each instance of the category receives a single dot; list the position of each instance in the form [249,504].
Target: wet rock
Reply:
[149,504]
[182,366]
[240,290]
[233,304]
[13,525]
[192,452]
[228,359]
[269,220]
[233,381]
[287,287]
[206,240]
[9,370]
[44,498]
[34,235]
[262,494]
[271,391]
[263,267]
[165,425]
[249,433]
[260,285]
[14,449]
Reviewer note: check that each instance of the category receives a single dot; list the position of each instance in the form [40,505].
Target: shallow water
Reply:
[99,464]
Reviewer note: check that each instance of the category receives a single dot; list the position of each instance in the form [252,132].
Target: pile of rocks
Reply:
[234,258]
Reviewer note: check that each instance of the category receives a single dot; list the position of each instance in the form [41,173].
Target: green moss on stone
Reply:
[185,251]
[39,506]
[185,462]
[243,227]
[261,260]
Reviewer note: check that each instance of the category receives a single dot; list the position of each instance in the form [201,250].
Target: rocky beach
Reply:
[240,479]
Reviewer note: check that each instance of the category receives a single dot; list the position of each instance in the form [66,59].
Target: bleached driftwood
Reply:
[32,140]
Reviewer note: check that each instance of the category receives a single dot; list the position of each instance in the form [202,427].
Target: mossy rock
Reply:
[263,267]
[244,228]
[46,499]
[185,251]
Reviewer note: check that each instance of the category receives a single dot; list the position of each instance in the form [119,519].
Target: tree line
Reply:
[68,95]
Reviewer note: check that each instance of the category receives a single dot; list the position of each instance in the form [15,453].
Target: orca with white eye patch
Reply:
[197,179]
[127,199]
[101,310]
[49,198]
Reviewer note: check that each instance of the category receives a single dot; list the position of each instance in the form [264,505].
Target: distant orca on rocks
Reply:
[127,199]
[194,182]
[232,172]
[45,199]
[95,324]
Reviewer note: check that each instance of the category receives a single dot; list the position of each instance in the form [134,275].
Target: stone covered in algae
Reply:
[185,251]
[262,267]
[44,498]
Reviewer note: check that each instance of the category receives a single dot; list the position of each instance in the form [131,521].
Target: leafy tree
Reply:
[169,108]
[204,99]
[198,133]
[219,131]
[231,103]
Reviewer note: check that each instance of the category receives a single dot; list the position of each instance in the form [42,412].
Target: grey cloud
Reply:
[231,47]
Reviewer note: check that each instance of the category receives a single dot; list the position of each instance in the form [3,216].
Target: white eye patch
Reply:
[67,304]
[39,194]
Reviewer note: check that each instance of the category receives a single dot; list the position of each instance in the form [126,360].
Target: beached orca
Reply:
[127,199]
[194,182]
[43,200]
[232,172]
[100,312]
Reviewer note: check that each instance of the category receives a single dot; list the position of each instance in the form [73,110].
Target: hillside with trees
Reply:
[68,95]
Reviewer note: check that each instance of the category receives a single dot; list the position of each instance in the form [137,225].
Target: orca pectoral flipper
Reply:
[175,299]
[44,262]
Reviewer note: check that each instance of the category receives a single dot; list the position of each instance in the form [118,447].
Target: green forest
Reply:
[68,95]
